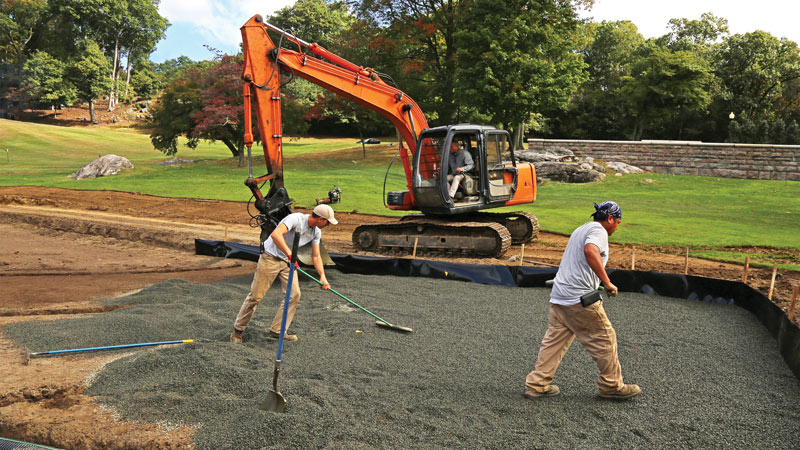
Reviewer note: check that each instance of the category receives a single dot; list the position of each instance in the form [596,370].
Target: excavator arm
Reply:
[263,61]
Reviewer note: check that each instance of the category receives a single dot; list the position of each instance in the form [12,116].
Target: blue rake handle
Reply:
[288,295]
[110,347]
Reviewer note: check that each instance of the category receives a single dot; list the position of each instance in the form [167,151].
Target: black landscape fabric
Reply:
[711,373]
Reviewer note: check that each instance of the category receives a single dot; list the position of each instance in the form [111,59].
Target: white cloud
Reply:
[777,17]
[219,20]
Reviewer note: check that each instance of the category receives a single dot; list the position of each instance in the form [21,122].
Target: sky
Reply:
[216,23]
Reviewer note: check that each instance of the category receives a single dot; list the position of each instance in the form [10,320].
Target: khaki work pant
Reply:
[454,181]
[591,327]
[267,270]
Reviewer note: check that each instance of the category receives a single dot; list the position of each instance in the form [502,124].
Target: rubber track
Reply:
[502,218]
[531,233]
[502,235]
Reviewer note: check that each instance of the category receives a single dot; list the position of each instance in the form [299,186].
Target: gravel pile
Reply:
[711,374]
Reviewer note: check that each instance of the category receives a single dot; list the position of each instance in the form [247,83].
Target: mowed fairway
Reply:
[705,213]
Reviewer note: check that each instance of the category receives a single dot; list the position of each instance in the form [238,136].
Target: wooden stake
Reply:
[794,300]
[686,259]
[633,258]
[414,254]
[772,283]
[226,234]
[746,268]
[521,254]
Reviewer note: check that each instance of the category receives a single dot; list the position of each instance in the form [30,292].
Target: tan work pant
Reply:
[454,180]
[591,327]
[267,270]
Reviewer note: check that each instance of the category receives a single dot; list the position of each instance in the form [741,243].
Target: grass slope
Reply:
[705,213]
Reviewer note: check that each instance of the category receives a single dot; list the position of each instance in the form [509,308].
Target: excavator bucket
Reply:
[304,255]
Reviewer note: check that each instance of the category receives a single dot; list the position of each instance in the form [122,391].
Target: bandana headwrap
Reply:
[606,209]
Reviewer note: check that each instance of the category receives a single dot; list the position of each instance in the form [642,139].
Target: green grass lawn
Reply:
[704,213]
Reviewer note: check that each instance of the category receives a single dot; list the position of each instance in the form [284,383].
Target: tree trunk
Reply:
[111,101]
[519,135]
[361,135]
[231,146]
[241,152]
[128,76]
[636,130]
[91,111]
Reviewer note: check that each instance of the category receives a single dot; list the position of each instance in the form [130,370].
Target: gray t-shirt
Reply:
[462,159]
[575,277]
[296,223]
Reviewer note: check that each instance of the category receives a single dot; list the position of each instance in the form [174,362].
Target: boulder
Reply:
[568,173]
[102,166]
[553,154]
[622,167]
[175,162]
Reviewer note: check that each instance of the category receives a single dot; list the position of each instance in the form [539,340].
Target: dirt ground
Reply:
[63,251]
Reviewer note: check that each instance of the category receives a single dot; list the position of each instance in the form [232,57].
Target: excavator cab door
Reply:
[430,174]
[500,166]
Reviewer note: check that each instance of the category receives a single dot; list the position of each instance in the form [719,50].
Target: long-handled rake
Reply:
[380,322]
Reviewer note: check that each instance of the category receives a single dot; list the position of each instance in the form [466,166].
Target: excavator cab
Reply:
[491,180]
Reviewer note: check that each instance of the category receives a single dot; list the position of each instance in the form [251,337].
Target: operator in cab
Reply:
[460,161]
[273,263]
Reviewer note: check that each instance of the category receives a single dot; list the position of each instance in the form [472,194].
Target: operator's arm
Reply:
[316,259]
[595,261]
[278,238]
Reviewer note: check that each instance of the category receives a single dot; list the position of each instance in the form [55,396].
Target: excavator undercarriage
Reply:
[480,235]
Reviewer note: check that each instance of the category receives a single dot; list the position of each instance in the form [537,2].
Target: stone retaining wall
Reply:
[754,161]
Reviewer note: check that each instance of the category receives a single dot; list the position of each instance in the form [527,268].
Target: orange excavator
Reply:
[448,225]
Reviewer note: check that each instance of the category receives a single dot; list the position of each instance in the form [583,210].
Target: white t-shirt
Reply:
[296,223]
[575,277]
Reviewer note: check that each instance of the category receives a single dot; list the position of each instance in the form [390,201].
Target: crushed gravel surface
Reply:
[711,373]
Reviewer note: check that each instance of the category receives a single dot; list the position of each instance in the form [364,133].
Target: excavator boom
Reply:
[361,85]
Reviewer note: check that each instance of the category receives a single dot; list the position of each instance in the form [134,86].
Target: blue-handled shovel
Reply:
[275,401]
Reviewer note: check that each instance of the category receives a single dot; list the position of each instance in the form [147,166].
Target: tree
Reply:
[317,21]
[755,69]
[18,20]
[90,75]
[140,28]
[204,104]
[172,69]
[118,27]
[690,34]
[599,109]
[517,57]
[172,115]
[664,87]
[423,32]
[44,81]
[145,81]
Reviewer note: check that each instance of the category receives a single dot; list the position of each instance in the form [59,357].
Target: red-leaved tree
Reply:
[206,103]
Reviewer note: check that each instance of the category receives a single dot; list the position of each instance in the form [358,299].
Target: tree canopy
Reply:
[515,64]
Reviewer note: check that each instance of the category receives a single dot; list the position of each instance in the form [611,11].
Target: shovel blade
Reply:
[274,402]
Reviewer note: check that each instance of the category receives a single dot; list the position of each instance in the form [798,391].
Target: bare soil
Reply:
[79,115]
[64,251]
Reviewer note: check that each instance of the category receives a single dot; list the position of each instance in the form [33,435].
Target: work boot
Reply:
[236,336]
[286,337]
[549,392]
[625,392]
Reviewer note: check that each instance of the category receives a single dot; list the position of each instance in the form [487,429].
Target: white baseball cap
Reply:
[326,212]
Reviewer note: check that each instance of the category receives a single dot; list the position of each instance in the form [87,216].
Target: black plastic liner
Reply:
[689,287]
